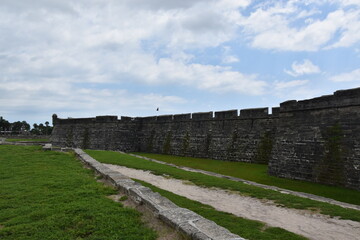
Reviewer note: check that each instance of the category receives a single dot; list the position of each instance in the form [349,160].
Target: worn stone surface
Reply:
[184,220]
[178,216]
[22,143]
[154,201]
[47,147]
[315,140]
[319,140]
[211,229]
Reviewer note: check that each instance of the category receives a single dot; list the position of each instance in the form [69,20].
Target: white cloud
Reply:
[230,59]
[350,30]
[309,38]
[81,102]
[347,77]
[296,89]
[84,55]
[227,57]
[299,69]
[104,42]
[89,58]
[286,26]
[156,5]
[205,77]
[278,85]
[302,93]
[349,2]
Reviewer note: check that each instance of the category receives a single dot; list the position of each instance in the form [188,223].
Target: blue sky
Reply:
[88,58]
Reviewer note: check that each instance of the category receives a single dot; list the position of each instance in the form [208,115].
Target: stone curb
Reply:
[187,222]
[281,190]
[21,143]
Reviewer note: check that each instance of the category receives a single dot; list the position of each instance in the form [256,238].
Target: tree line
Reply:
[22,127]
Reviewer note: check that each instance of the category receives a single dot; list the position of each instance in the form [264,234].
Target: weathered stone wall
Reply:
[225,136]
[319,140]
[102,132]
[315,140]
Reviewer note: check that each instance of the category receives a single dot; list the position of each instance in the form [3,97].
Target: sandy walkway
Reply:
[312,226]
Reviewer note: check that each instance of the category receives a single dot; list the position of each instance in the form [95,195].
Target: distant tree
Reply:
[48,129]
[25,126]
[41,129]
[20,126]
[4,124]
[35,129]
[16,126]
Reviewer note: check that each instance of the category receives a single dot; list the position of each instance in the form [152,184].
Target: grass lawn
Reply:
[49,195]
[258,173]
[210,181]
[249,229]
[27,140]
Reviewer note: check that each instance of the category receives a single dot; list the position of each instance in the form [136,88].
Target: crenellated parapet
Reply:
[253,113]
[97,119]
[315,140]
[182,117]
[341,98]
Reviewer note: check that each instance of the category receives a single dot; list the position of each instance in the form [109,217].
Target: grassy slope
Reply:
[258,173]
[209,181]
[49,195]
[252,230]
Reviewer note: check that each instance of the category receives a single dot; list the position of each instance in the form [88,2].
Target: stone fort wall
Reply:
[315,140]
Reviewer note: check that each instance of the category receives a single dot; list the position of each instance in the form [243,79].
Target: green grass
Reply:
[49,195]
[258,173]
[210,181]
[249,229]
[27,140]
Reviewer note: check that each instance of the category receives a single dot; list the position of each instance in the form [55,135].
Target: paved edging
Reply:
[22,143]
[281,190]
[189,223]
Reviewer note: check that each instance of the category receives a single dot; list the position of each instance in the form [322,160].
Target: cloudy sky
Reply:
[86,58]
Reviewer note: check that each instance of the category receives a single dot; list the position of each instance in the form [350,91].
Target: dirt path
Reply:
[278,189]
[310,225]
